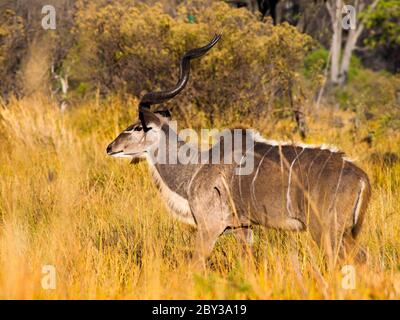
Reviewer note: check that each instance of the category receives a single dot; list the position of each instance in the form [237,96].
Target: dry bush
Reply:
[12,44]
[136,48]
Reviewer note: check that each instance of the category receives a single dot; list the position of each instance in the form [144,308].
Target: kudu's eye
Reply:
[138,128]
[129,129]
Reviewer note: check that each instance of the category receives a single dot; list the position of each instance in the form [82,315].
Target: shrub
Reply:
[136,48]
[374,91]
[12,42]
[374,97]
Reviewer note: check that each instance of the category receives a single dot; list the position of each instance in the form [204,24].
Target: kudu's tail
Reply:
[361,206]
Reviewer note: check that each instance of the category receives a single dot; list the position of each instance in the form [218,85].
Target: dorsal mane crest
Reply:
[258,138]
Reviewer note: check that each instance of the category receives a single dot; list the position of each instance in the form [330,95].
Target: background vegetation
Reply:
[101,223]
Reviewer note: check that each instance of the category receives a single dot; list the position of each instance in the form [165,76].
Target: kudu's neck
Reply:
[169,165]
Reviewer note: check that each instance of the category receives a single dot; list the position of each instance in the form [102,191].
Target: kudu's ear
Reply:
[164,113]
[147,118]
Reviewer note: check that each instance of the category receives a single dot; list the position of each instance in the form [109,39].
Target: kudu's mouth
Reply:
[114,153]
[122,154]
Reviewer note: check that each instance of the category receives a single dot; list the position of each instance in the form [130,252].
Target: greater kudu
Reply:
[292,187]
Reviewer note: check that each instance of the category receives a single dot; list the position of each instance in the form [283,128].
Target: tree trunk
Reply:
[351,42]
[348,51]
[336,15]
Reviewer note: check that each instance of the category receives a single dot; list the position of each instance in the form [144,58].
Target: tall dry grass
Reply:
[102,224]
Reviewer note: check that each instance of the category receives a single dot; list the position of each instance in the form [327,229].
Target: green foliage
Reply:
[384,24]
[315,61]
[374,97]
[371,89]
[315,64]
[354,69]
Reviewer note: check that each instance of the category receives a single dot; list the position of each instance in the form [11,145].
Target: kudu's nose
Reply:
[109,149]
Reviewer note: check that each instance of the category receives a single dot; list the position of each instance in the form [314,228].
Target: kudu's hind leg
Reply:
[338,246]
[351,250]
[323,238]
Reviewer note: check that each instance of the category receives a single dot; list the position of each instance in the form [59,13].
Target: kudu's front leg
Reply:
[210,213]
[244,235]
[205,240]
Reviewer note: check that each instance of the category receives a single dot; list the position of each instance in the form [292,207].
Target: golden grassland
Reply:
[102,224]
